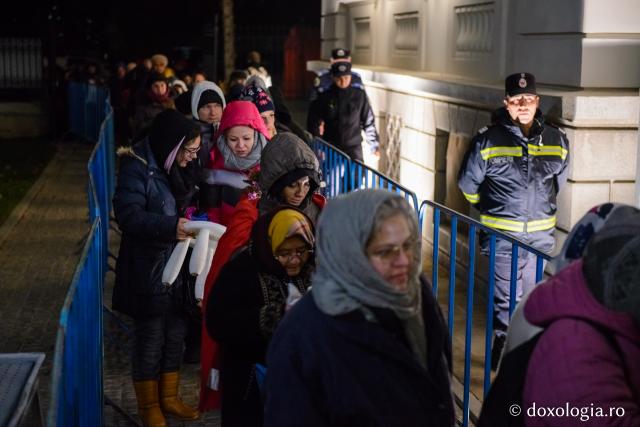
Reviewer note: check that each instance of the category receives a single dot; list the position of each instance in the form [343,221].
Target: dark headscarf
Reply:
[170,128]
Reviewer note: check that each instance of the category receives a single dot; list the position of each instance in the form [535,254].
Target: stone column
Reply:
[637,196]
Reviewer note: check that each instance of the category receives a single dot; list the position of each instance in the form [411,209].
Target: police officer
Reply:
[512,173]
[342,112]
[323,82]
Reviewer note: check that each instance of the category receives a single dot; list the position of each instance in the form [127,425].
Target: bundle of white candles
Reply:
[204,247]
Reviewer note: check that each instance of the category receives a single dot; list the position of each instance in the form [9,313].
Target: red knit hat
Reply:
[241,113]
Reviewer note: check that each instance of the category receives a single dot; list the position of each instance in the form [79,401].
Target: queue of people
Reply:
[318,313]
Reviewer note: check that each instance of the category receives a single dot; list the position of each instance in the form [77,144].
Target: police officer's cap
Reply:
[340,69]
[340,53]
[520,83]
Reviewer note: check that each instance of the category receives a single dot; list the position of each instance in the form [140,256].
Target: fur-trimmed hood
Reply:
[128,151]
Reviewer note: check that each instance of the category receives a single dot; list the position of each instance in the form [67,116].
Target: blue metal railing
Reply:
[76,384]
[362,176]
[493,236]
[335,165]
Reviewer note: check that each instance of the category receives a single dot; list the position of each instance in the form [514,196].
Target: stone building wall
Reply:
[439,64]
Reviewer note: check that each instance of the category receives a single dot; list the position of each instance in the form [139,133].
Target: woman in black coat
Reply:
[150,192]
[250,297]
[368,345]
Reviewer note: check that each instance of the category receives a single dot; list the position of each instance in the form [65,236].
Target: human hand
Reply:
[321,128]
[181,232]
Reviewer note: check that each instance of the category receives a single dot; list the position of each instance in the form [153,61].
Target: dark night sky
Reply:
[135,28]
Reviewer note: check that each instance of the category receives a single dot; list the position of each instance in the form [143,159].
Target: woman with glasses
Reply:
[148,203]
[250,297]
[367,346]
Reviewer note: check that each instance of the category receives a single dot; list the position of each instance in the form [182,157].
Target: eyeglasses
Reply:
[391,253]
[192,150]
[286,256]
[522,99]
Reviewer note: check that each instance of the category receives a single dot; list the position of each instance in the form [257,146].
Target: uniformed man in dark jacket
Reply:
[341,113]
[512,173]
[324,81]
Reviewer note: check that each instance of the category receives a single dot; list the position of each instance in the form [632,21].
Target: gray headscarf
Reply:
[233,162]
[344,280]
[612,262]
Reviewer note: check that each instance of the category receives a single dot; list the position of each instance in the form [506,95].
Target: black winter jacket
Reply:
[514,180]
[347,371]
[346,113]
[244,308]
[145,211]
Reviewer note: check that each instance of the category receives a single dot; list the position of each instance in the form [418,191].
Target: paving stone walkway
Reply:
[40,245]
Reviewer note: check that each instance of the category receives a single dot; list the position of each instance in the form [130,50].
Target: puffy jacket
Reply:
[345,113]
[146,212]
[514,179]
[587,355]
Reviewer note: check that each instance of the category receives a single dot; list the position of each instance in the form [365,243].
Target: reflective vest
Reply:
[513,179]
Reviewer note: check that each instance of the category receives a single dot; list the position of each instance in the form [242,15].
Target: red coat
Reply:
[237,235]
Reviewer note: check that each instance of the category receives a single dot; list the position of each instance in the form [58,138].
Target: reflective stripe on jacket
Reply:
[513,179]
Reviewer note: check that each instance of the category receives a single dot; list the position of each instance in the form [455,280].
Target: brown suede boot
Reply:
[170,402]
[148,405]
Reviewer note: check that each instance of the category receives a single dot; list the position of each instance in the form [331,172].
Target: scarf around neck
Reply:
[233,162]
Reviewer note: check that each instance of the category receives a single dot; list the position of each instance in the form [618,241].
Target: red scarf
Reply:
[158,99]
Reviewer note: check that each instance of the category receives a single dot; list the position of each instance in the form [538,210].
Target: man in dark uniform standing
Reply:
[324,81]
[341,113]
[512,173]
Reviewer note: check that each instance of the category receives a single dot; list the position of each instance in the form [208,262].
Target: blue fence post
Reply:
[539,268]
[452,273]
[513,285]
[489,327]
[436,239]
[469,325]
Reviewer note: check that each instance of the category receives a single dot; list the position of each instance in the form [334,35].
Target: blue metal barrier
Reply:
[493,235]
[335,165]
[362,176]
[88,106]
[76,384]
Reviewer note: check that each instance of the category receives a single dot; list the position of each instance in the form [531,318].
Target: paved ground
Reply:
[40,245]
